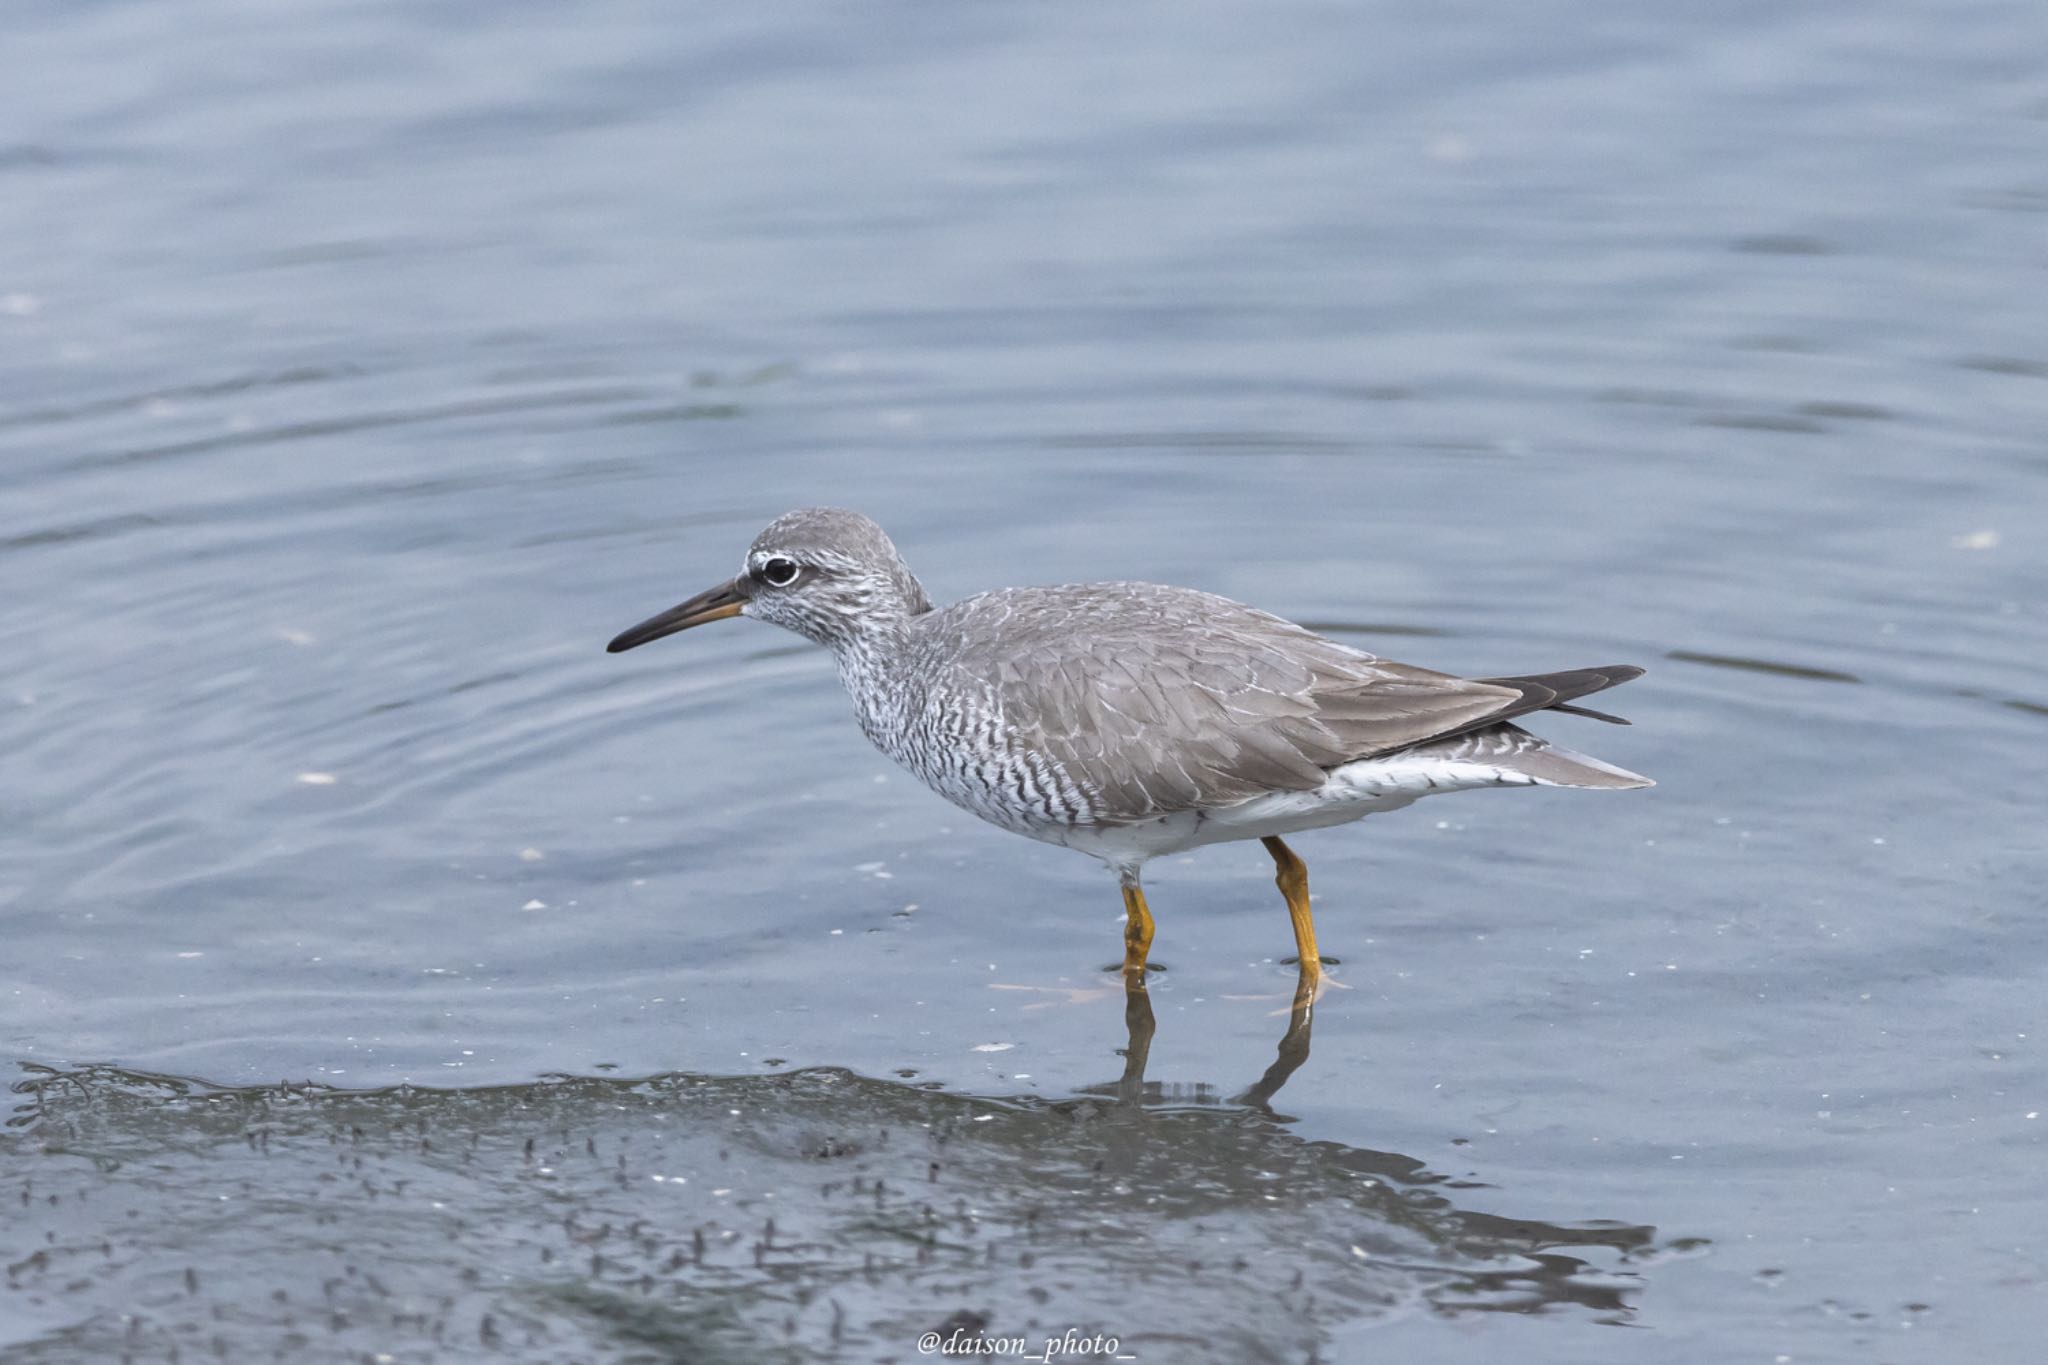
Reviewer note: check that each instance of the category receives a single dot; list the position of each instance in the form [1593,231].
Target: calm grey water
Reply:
[364,367]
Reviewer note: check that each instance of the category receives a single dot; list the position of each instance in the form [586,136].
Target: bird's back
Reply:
[1110,703]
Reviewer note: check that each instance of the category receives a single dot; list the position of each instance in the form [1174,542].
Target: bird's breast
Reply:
[957,744]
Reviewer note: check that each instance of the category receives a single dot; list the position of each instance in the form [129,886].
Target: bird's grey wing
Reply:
[1169,700]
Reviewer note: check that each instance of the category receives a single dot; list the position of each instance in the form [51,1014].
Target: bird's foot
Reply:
[1066,995]
[1307,991]
[1125,968]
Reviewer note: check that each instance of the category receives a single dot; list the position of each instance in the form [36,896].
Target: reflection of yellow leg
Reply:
[1137,930]
[1291,875]
[1293,1044]
[1140,1025]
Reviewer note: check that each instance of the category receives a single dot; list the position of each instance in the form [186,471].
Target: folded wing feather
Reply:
[1161,699]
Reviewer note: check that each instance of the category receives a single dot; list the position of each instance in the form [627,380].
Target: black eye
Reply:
[779,572]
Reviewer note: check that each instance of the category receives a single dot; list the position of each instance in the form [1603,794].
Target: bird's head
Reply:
[830,575]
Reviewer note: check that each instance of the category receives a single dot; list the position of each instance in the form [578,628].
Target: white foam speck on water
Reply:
[318,779]
[1976,540]
[531,855]
[535,904]
[1451,148]
[993,1047]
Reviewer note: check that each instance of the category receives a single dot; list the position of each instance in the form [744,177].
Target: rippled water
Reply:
[366,367]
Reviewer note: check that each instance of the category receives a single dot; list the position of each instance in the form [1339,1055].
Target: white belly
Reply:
[1351,792]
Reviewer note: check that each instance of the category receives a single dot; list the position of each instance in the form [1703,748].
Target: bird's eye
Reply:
[779,572]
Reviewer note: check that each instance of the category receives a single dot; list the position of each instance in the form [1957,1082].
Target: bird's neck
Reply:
[871,660]
[871,641]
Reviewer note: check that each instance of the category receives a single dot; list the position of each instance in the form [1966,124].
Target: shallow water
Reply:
[366,369]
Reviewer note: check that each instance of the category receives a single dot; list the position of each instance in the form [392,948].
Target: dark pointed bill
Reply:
[720,602]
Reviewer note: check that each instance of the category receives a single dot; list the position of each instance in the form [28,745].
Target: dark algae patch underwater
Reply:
[809,1215]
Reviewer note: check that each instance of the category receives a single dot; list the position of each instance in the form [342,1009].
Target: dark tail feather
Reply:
[1589,713]
[1551,692]
[1554,691]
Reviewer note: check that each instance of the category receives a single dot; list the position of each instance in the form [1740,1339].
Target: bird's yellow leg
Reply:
[1137,931]
[1291,875]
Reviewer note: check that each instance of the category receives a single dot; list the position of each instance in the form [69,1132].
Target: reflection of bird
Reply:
[1140,1024]
[1130,720]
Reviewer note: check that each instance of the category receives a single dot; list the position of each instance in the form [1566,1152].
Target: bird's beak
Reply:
[720,602]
